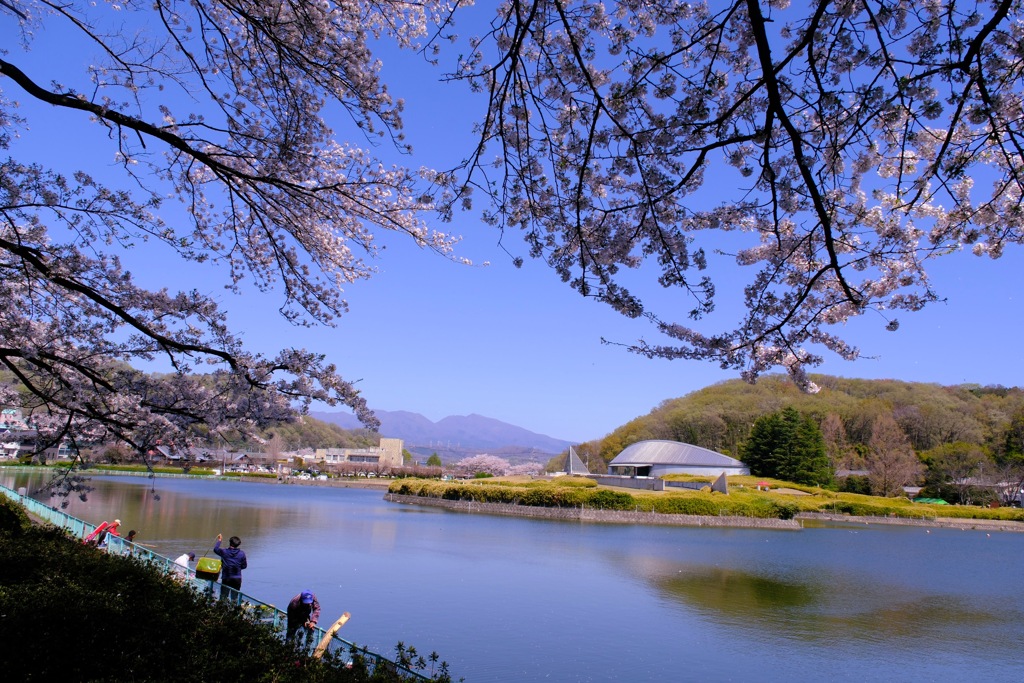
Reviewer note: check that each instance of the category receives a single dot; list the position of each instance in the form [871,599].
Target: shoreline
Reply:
[798,523]
[586,515]
[961,523]
[591,515]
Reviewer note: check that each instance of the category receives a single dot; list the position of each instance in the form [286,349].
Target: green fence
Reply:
[267,614]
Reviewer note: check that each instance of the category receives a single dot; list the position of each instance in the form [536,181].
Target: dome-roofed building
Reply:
[658,458]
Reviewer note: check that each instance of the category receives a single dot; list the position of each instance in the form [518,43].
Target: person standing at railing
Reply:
[234,562]
[303,613]
[128,544]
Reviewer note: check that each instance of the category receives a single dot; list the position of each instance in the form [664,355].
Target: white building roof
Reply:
[644,453]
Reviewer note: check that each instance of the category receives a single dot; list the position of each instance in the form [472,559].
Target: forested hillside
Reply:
[720,417]
[310,432]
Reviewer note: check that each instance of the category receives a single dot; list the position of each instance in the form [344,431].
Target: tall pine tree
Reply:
[790,446]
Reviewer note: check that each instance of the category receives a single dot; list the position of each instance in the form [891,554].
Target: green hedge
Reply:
[536,494]
[743,502]
[552,494]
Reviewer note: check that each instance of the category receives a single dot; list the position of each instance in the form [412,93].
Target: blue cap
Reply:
[307,597]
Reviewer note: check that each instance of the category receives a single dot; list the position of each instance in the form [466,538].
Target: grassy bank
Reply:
[60,466]
[71,612]
[782,500]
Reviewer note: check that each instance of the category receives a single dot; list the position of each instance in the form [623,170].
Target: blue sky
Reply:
[432,337]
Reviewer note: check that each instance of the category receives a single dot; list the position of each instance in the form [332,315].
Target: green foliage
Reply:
[711,504]
[856,484]
[313,433]
[434,460]
[195,471]
[249,475]
[788,446]
[953,468]
[610,500]
[141,625]
[577,482]
[785,510]
[79,614]
[534,493]
[13,519]
[742,501]
[1013,439]
[698,504]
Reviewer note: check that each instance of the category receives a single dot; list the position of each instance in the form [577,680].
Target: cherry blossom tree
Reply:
[525,469]
[830,148]
[489,464]
[214,117]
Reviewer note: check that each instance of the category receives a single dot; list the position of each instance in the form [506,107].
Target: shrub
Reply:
[856,484]
[580,482]
[785,510]
[453,493]
[13,519]
[686,505]
[610,500]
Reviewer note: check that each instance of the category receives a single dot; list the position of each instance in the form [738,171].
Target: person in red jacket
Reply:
[303,613]
[99,536]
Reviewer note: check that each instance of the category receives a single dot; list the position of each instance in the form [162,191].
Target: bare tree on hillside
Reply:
[892,463]
[840,454]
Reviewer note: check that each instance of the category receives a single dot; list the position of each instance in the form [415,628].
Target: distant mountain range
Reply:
[456,435]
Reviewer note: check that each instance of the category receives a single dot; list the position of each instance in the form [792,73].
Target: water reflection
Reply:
[734,591]
[829,608]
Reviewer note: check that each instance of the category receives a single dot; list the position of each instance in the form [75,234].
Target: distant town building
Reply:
[657,458]
[387,454]
[19,438]
[17,435]
[220,458]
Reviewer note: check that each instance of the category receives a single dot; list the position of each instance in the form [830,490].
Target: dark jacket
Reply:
[234,561]
[299,613]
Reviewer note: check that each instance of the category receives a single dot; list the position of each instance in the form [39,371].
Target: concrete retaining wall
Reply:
[591,515]
[645,483]
[934,523]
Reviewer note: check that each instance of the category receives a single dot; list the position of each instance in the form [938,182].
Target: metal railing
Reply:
[265,613]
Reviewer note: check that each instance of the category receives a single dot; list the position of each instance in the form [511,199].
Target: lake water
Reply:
[516,600]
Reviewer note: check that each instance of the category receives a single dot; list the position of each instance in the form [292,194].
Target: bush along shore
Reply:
[71,612]
[749,500]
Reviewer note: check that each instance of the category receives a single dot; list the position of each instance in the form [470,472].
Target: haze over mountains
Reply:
[456,434]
